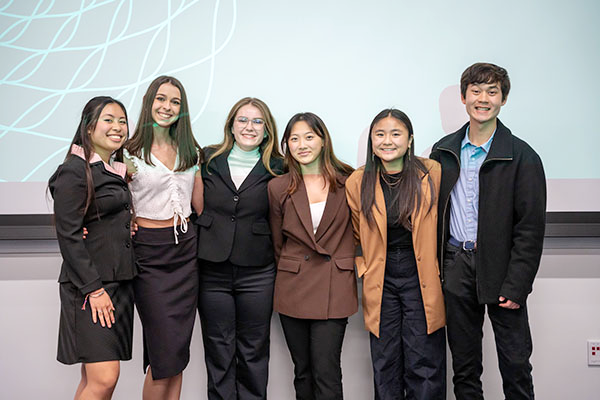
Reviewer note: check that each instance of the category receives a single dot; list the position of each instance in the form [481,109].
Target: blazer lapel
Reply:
[332,207]
[258,173]
[300,201]
[416,218]
[379,212]
[222,168]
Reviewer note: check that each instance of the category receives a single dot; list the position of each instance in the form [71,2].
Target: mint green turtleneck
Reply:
[241,163]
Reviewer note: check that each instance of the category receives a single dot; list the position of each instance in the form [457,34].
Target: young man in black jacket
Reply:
[492,207]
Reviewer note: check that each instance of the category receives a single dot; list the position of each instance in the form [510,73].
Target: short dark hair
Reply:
[485,73]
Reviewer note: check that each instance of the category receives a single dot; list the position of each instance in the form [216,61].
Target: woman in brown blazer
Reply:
[393,199]
[315,287]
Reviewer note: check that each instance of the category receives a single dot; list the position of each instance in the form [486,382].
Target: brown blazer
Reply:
[373,240]
[315,272]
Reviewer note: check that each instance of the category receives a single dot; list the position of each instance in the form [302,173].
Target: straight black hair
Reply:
[407,196]
[89,118]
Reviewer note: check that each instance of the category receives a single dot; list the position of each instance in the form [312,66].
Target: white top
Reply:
[241,163]
[316,213]
[160,193]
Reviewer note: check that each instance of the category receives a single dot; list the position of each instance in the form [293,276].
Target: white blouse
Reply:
[316,213]
[160,193]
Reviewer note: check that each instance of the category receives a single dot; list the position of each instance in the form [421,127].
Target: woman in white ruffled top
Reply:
[162,159]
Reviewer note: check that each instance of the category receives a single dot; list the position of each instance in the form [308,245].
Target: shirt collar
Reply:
[485,147]
[117,168]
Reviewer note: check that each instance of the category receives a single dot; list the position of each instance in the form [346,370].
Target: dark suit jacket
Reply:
[106,254]
[234,225]
[315,272]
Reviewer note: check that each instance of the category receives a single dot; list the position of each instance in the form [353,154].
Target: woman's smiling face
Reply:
[166,105]
[110,131]
[248,127]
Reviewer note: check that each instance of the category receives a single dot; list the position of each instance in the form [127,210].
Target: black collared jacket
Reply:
[234,224]
[512,213]
[106,254]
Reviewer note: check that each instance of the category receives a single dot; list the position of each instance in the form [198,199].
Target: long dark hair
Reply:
[329,165]
[407,196]
[89,118]
[268,147]
[180,131]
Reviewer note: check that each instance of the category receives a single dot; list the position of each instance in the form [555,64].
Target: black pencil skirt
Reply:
[80,340]
[166,295]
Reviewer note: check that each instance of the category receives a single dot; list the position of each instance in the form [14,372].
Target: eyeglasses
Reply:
[257,123]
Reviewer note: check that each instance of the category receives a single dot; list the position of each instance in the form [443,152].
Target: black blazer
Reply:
[106,254]
[234,225]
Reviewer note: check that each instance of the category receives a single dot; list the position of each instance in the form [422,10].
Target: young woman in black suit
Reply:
[96,293]
[236,253]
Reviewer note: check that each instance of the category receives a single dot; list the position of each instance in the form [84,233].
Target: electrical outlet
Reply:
[593,352]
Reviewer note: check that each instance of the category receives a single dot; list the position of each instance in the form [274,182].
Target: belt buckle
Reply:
[469,245]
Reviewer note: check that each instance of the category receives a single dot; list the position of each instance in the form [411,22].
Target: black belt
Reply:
[468,245]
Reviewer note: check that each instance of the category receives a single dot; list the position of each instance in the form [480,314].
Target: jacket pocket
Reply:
[346,264]
[261,228]
[289,265]
[204,220]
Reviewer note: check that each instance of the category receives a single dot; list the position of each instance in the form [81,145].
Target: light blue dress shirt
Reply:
[464,200]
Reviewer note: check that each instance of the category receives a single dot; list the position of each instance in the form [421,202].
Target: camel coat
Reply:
[373,239]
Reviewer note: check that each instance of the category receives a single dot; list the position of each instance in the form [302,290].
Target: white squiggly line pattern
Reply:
[25,59]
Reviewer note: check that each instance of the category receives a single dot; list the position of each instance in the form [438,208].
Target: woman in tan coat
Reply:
[393,199]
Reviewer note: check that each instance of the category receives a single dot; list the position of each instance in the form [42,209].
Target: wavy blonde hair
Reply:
[268,146]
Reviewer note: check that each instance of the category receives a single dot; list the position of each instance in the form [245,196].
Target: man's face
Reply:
[483,101]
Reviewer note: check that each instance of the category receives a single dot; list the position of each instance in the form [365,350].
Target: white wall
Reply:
[563,315]
[345,61]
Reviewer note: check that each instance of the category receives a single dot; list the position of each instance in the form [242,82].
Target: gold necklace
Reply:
[391,182]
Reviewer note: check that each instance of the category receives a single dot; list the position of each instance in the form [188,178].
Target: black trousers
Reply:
[407,362]
[316,350]
[465,323]
[235,306]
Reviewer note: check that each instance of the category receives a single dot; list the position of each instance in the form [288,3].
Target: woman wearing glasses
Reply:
[237,272]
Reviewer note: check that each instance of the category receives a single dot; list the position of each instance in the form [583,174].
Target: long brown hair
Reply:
[329,165]
[89,118]
[268,147]
[407,196]
[180,131]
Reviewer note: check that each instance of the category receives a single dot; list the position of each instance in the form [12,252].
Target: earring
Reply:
[373,157]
